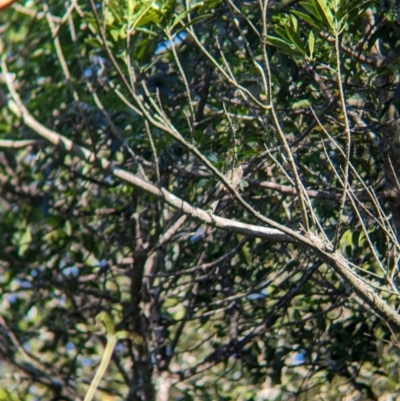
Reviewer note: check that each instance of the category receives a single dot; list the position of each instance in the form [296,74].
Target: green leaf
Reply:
[289,34]
[320,10]
[301,104]
[24,241]
[280,31]
[196,20]
[311,9]
[295,39]
[326,13]
[294,22]
[208,5]
[313,22]
[68,227]
[184,14]
[143,17]
[284,46]
[311,43]
[178,19]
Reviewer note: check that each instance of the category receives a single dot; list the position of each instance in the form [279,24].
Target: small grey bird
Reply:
[234,177]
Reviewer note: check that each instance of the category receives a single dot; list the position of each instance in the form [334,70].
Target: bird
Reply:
[234,177]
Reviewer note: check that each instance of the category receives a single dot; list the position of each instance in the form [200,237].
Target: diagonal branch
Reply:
[279,232]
